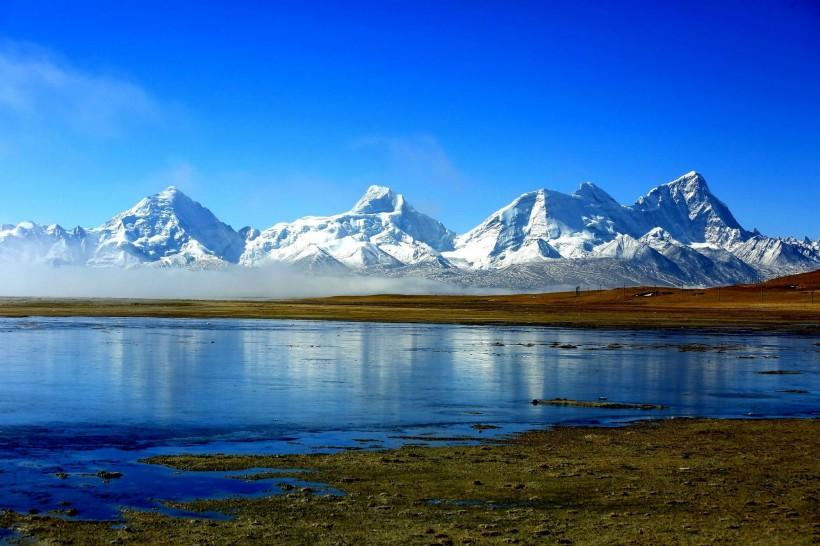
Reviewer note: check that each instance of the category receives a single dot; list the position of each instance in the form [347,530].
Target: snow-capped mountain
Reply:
[688,210]
[381,231]
[704,266]
[680,230]
[579,225]
[165,229]
[776,256]
[169,228]
[678,233]
[28,242]
[516,233]
[543,224]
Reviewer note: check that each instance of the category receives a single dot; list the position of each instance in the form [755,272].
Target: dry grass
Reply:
[786,304]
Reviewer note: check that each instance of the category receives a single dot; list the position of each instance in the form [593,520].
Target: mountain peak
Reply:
[690,184]
[688,209]
[163,225]
[171,193]
[591,192]
[171,200]
[658,234]
[378,199]
[690,187]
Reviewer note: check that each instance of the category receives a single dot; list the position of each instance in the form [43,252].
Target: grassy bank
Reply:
[783,304]
[670,482]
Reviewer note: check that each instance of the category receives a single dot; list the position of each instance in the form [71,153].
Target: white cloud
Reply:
[37,87]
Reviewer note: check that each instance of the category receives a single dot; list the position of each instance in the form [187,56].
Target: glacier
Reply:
[678,234]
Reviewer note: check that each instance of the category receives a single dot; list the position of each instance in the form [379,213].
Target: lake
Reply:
[80,396]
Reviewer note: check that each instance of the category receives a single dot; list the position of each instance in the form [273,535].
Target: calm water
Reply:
[82,395]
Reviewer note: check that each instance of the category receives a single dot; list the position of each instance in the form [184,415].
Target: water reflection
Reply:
[77,395]
[311,375]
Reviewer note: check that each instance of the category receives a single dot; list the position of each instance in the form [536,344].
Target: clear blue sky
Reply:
[267,111]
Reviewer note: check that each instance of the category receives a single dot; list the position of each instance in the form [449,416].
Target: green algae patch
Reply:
[668,482]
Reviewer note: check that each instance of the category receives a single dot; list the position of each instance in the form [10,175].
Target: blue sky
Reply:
[267,111]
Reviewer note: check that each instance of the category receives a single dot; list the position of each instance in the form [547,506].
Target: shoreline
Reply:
[735,308]
[651,481]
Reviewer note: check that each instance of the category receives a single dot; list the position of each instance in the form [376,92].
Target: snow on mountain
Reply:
[542,225]
[168,228]
[625,247]
[314,259]
[688,210]
[28,242]
[550,275]
[381,231]
[773,256]
[679,233]
[680,229]
[517,233]
[701,265]
[249,233]
[165,229]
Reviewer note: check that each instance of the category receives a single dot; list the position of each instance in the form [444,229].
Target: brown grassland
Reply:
[780,304]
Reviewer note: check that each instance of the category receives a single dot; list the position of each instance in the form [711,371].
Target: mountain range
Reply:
[679,234]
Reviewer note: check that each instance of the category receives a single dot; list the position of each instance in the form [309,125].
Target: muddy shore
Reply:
[655,482]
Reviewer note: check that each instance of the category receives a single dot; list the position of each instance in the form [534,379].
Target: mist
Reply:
[227,283]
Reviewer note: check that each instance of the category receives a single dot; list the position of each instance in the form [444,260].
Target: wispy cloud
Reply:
[39,87]
[421,155]
[179,173]
[418,162]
